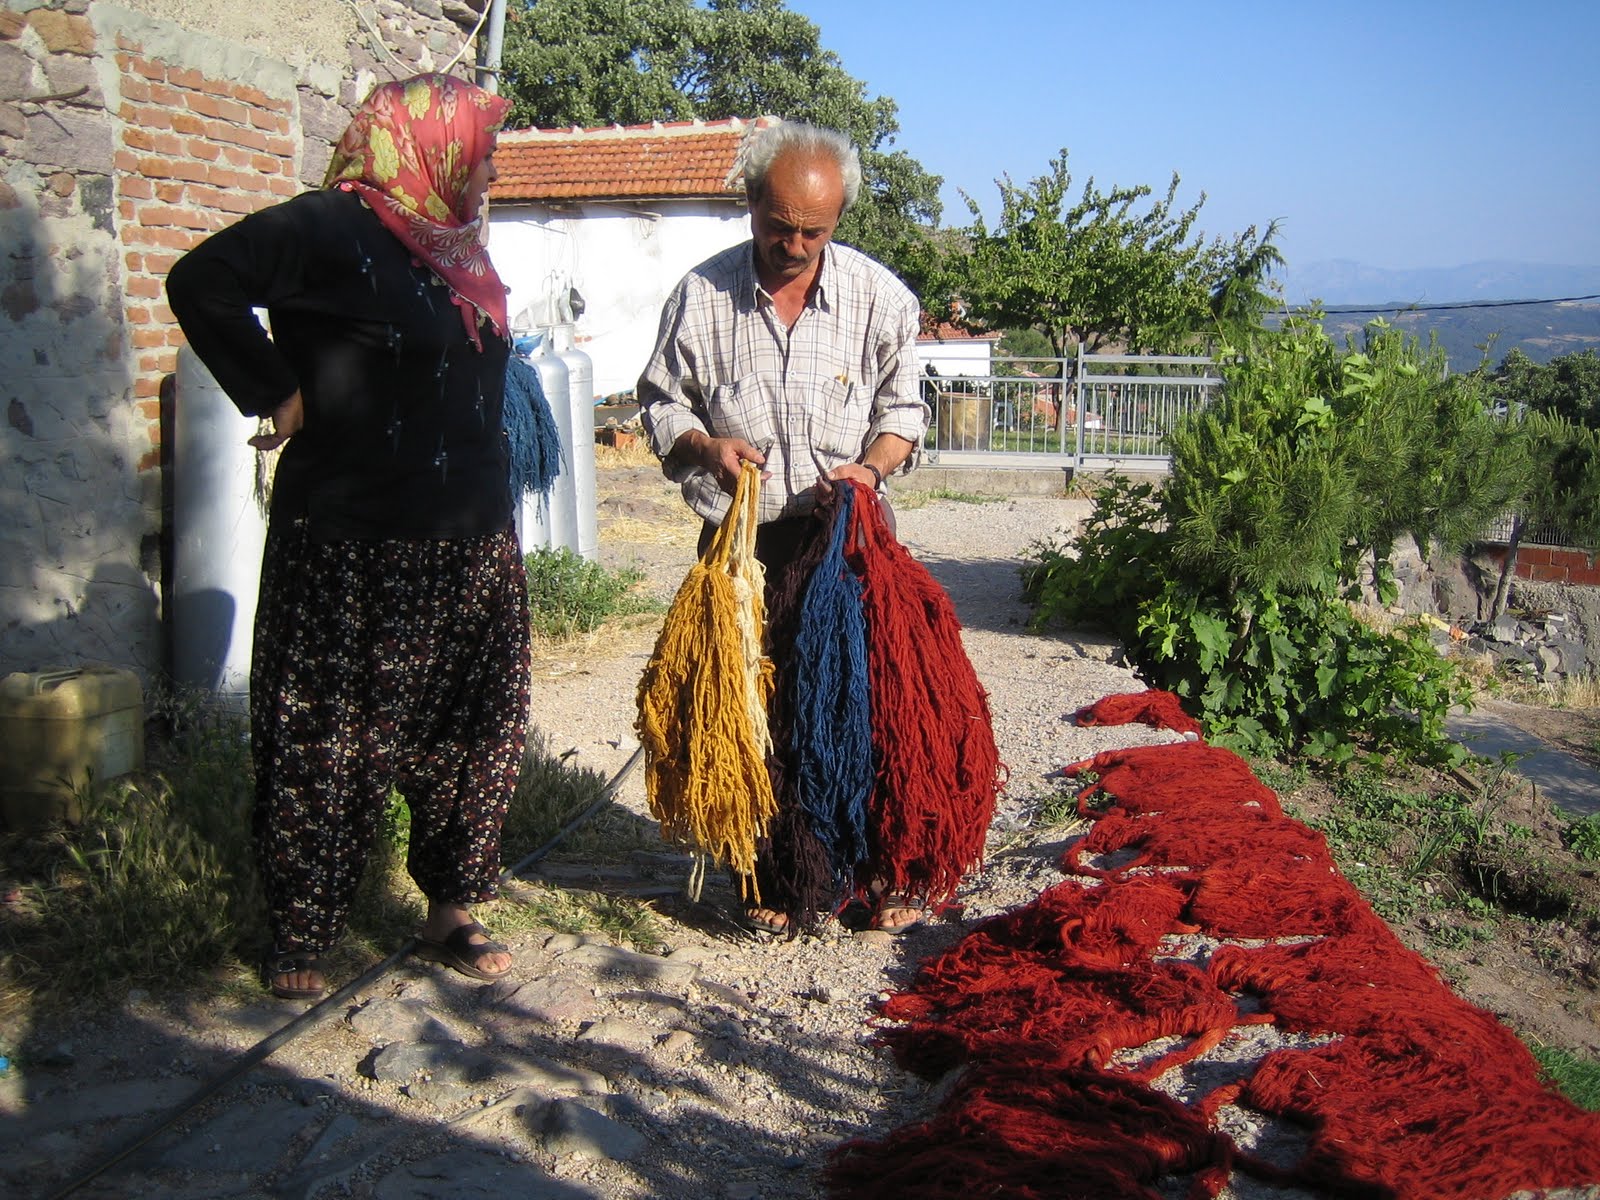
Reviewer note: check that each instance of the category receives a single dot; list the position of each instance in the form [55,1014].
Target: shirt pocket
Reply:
[743,409]
[840,415]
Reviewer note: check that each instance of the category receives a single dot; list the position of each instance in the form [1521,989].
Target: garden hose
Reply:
[327,1005]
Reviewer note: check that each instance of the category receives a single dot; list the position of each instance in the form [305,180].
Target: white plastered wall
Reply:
[623,258]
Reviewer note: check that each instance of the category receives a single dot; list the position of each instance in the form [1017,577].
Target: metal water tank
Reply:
[580,395]
[550,522]
[220,527]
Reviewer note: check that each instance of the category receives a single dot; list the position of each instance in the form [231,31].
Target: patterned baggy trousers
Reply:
[379,665]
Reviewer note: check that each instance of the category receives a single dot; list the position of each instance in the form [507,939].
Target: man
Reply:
[792,353]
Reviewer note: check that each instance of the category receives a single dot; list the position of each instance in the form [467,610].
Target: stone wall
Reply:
[128,133]
[1555,595]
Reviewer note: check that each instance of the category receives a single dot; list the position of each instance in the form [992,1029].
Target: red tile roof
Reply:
[944,331]
[677,159]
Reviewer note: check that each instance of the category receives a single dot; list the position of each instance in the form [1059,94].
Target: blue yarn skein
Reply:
[535,443]
[831,739]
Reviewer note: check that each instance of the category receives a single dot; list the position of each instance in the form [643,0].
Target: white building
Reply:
[620,214]
[952,350]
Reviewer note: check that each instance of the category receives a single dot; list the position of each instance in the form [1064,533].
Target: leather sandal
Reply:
[897,903]
[461,954]
[770,920]
[292,962]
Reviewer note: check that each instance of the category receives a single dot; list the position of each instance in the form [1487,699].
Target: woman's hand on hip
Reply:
[287,420]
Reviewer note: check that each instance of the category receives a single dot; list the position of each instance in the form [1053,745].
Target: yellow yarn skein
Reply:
[703,701]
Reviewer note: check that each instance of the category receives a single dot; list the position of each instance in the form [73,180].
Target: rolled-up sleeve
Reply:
[897,406]
[669,394]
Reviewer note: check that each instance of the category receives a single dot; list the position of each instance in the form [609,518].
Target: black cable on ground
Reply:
[606,793]
[327,1005]
[250,1058]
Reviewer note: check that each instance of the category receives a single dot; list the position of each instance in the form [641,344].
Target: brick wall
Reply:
[1551,564]
[194,154]
[126,136]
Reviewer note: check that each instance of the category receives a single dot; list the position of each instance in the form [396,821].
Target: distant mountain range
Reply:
[1341,281]
[1349,290]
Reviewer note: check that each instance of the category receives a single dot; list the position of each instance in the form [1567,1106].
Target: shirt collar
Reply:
[822,288]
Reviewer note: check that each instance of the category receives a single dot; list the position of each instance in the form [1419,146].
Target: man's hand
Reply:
[856,471]
[287,420]
[723,457]
[886,453]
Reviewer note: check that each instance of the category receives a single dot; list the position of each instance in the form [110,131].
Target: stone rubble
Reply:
[1541,646]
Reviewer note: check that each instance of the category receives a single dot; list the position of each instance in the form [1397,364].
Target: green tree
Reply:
[1567,386]
[595,62]
[1119,265]
[1025,343]
[1232,586]
[1315,461]
[1565,480]
[1241,299]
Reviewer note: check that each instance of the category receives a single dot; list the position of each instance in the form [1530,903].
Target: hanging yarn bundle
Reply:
[830,730]
[535,443]
[937,766]
[703,701]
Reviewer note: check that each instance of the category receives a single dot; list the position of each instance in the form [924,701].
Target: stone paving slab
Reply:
[1567,782]
[476,1175]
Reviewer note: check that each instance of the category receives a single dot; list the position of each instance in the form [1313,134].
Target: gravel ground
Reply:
[728,1068]
[814,1075]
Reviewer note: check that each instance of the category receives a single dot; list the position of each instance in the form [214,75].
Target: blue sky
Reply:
[1399,135]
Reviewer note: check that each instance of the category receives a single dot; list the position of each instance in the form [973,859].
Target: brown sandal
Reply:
[776,923]
[460,954]
[292,962]
[897,903]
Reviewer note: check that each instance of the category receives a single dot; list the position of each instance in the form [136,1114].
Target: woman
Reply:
[391,638]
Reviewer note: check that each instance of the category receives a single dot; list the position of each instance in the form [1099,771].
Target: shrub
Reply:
[1581,835]
[568,595]
[1232,586]
[1105,573]
[157,878]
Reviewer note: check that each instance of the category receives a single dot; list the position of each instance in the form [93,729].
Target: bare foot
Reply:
[893,912]
[445,919]
[896,914]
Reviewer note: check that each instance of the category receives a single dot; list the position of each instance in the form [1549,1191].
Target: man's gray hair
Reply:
[766,145]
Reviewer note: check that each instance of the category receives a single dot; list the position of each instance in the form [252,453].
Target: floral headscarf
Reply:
[409,152]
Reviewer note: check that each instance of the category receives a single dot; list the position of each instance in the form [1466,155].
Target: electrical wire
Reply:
[1340,310]
[407,68]
[377,40]
[469,39]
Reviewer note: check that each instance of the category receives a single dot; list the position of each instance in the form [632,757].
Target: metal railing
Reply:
[1539,533]
[1119,409]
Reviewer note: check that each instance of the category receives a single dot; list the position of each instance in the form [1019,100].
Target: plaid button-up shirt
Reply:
[812,397]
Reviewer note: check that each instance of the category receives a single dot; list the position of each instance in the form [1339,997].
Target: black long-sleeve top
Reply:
[402,435]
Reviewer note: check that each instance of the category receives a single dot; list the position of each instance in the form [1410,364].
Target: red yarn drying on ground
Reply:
[1161,709]
[938,768]
[1031,1134]
[1418,1094]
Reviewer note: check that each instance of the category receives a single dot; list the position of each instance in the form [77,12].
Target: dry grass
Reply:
[554,657]
[1569,693]
[635,454]
[632,531]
